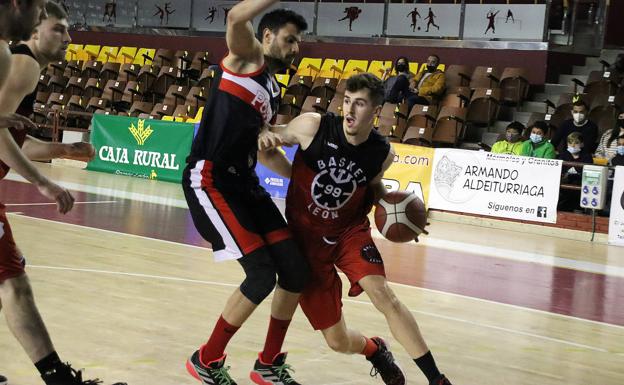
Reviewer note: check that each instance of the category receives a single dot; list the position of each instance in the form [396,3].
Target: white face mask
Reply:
[536,138]
[573,150]
[579,117]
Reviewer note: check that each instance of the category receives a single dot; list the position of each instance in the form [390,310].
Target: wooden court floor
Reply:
[128,291]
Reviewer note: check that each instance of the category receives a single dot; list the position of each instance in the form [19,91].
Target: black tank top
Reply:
[26,107]
[237,109]
[330,186]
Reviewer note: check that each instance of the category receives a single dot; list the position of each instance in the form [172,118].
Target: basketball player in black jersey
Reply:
[335,178]
[47,43]
[227,204]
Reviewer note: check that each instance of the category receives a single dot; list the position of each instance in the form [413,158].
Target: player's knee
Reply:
[258,284]
[18,288]
[296,279]
[338,342]
[294,268]
[384,299]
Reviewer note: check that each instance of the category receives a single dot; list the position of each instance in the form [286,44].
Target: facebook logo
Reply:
[541,212]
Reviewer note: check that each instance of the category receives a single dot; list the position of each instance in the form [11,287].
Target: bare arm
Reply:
[275,159]
[376,184]
[300,130]
[36,149]
[5,62]
[245,51]
[22,80]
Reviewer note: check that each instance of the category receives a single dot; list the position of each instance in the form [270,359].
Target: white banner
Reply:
[431,20]
[350,19]
[616,215]
[498,185]
[504,21]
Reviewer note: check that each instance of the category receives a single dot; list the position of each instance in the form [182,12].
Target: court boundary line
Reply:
[517,307]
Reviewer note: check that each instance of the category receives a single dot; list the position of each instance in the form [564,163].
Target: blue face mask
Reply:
[536,138]
[620,150]
[574,150]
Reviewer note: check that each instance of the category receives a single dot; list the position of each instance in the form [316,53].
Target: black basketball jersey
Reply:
[26,107]
[237,109]
[329,190]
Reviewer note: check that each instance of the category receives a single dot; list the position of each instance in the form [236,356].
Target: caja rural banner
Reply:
[616,215]
[144,148]
[411,170]
[497,185]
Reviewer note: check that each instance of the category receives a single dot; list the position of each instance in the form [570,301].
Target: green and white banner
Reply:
[143,148]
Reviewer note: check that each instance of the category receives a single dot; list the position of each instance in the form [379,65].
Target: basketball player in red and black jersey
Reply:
[229,207]
[45,45]
[335,179]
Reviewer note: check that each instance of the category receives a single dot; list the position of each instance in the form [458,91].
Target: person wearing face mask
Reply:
[430,83]
[575,152]
[397,88]
[607,147]
[512,144]
[537,146]
[578,123]
[618,159]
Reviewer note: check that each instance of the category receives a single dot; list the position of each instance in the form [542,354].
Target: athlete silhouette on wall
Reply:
[352,13]
[225,12]
[510,15]
[110,10]
[414,14]
[212,12]
[491,16]
[163,13]
[431,17]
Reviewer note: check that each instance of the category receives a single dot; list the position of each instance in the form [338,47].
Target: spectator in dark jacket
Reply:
[575,152]
[578,123]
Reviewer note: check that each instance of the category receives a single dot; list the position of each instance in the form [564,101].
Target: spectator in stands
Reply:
[512,143]
[537,146]
[617,68]
[397,88]
[607,147]
[578,123]
[430,83]
[575,152]
[618,159]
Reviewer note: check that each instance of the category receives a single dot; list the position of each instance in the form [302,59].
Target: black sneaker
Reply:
[66,375]
[441,380]
[3,380]
[276,373]
[385,365]
[213,374]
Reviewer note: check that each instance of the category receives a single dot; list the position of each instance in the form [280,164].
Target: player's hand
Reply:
[80,150]
[16,121]
[64,199]
[268,140]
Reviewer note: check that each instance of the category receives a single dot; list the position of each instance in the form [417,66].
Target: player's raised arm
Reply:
[300,130]
[239,35]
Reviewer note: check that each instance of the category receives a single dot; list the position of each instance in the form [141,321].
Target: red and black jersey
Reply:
[20,137]
[238,107]
[27,104]
[329,191]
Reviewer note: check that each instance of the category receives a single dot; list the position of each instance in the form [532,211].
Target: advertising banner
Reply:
[616,215]
[150,149]
[411,170]
[498,185]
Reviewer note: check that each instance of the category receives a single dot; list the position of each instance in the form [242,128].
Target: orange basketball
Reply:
[401,216]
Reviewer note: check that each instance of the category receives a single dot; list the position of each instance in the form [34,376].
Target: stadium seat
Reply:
[335,106]
[196,97]
[76,85]
[484,106]
[108,54]
[176,95]
[485,77]
[309,67]
[458,75]
[110,71]
[140,108]
[324,87]
[315,104]
[90,52]
[514,85]
[378,67]
[126,55]
[457,97]
[450,125]
[392,118]
[332,68]
[92,69]
[144,56]
[354,67]
[72,51]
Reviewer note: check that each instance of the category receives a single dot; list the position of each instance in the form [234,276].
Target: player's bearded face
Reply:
[284,46]
[53,38]
[359,112]
[25,19]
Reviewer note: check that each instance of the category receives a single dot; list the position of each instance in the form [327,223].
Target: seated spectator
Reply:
[512,143]
[607,147]
[430,83]
[617,68]
[578,123]
[569,199]
[537,146]
[618,159]
[397,88]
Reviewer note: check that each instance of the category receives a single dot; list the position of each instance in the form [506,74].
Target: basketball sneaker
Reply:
[275,373]
[215,373]
[385,365]
[66,375]
[3,380]
[441,380]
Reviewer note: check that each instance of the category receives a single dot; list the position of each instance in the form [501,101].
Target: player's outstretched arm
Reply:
[376,184]
[301,130]
[36,149]
[275,160]
[239,35]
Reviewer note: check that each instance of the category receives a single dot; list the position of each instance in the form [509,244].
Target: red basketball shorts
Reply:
[11,259]
[354,253]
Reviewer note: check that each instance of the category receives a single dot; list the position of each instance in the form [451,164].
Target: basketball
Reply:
[401,216]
